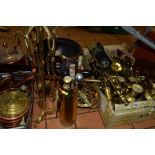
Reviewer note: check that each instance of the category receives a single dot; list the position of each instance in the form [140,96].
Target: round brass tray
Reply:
[88,97]
[13,104]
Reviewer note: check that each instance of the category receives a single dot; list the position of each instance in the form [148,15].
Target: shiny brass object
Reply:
[34,41]
[14,105]
[122,97]
[116,66]
[68,103]
[116,84]
[92,80]
[88,97]
[132,79]
[108,94]
[131,97]
[137,88]
[148,95]
[121,79]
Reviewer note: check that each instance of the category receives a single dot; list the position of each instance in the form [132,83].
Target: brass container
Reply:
[68,106]
[14,105]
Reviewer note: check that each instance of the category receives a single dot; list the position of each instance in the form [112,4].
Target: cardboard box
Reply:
[134,112]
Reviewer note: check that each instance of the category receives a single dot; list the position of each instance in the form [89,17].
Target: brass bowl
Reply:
[88,97]
[14,105]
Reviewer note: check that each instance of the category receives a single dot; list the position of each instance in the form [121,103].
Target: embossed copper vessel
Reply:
[14,106]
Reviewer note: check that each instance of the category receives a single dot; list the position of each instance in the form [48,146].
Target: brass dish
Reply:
[148,95]
[88,97]
[137,88]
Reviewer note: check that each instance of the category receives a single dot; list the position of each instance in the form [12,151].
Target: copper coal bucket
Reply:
[14,107]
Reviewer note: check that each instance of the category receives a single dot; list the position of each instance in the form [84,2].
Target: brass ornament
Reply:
[131,97]
[116,66]
[148,95]
[137,88]
[88,97]
[132,79]
[121,79]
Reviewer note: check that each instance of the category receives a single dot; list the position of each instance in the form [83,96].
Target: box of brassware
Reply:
[134,112]
[137,111]
[133,95]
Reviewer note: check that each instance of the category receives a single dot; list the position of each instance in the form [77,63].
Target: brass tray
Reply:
[88,96]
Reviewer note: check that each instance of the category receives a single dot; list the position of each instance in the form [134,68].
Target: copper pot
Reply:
[7,82]
[11,51]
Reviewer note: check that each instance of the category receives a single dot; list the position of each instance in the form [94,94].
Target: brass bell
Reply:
[116,66]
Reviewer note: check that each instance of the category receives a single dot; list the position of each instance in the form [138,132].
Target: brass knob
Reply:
[67,79]
[116,66]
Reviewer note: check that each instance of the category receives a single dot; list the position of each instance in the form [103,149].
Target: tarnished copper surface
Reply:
[7,82]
